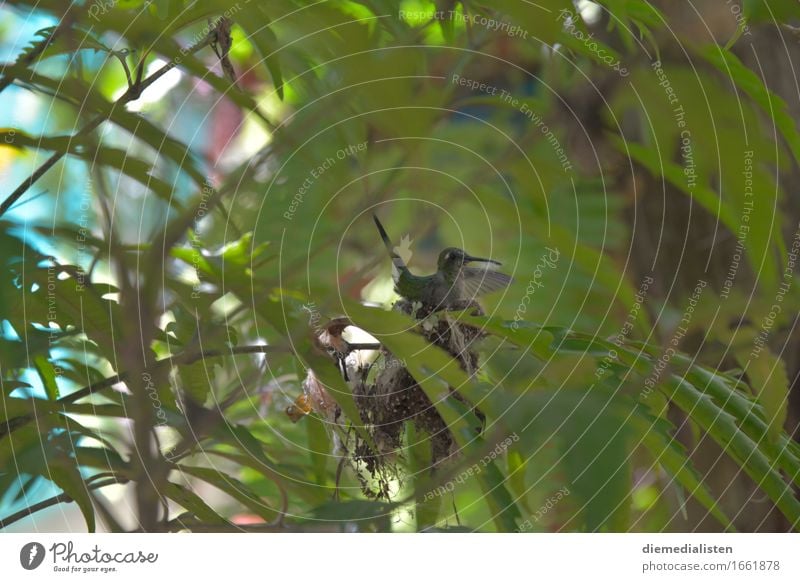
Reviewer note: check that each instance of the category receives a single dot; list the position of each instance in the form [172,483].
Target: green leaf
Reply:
[653,434]
[359,511]
[330,377]
[47,375]
[625,15]
[771,10]
[11,408]
[69,479]
[67,302]
[113,410]
[750,419]
[287,479]
[437,373]
[521,333]
[767,374]
[140,127]
[104,459]
[748,81]
[256,23]
[196,379]
[721,427]
[167,9]
[420,458]
[319,448]
[234,488]
[193,503]
[673,173]
[517,465]
[23,448]
[540,19]
[241,252]
[8,386]
[121,160]
[590,431]
[242,439]
[223,86]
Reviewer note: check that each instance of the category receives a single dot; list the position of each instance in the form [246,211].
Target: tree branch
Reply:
[61,498]
[134,91]
[13,424]
[198,526]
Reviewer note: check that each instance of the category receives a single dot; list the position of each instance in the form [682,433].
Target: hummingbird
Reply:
[453,283]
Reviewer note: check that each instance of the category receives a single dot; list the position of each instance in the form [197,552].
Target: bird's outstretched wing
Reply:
[478,282]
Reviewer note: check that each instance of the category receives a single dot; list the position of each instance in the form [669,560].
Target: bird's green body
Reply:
[453,282]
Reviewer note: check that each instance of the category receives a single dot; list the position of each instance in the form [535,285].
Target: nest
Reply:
[395,398]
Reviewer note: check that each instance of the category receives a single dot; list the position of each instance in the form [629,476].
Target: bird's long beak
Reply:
[471,259]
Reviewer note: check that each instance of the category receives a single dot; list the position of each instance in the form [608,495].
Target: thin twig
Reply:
[61,498]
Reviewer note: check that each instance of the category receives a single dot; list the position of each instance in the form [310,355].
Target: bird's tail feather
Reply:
[397,261]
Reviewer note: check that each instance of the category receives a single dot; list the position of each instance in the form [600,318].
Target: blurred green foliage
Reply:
[187,220]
